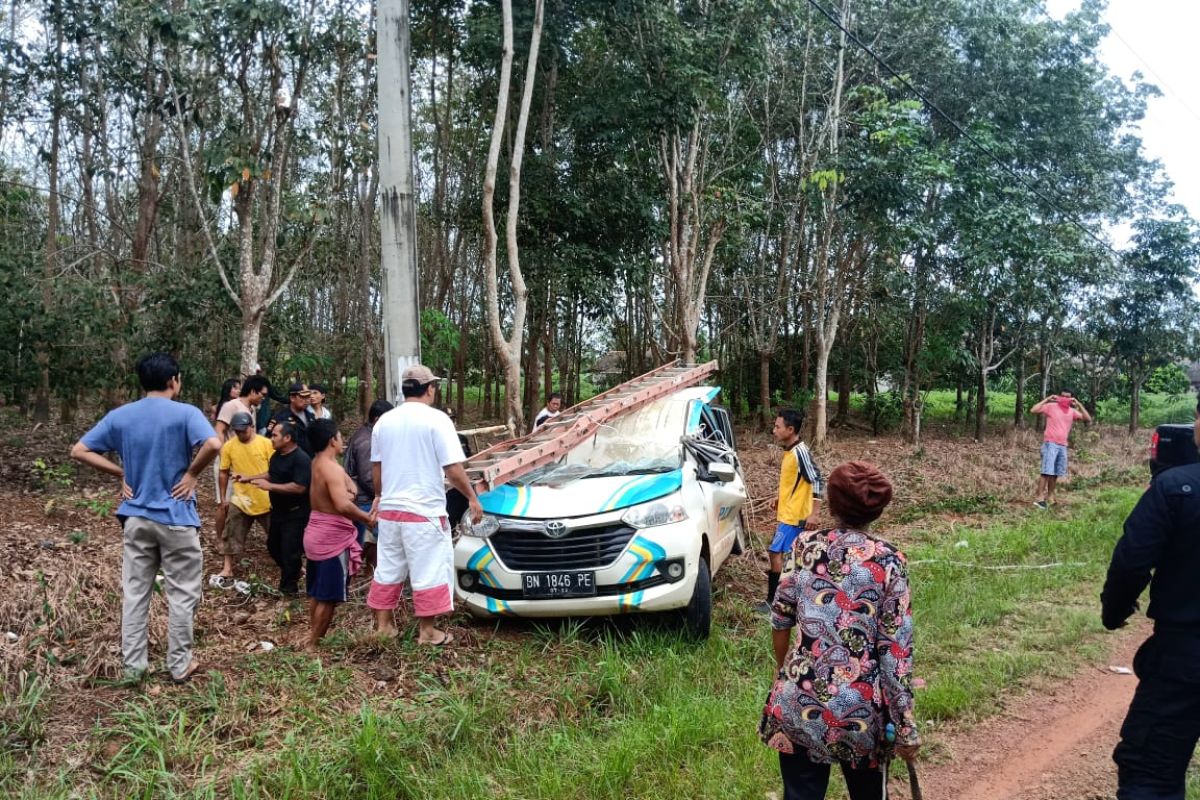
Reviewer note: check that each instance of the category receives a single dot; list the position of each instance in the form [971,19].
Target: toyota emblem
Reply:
[556,529]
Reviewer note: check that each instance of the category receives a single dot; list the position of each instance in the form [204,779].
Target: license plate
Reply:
[558,584]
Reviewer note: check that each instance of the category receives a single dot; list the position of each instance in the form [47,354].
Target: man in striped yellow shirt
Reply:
[800,493]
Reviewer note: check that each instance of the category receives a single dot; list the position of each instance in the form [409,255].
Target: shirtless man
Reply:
[330,539]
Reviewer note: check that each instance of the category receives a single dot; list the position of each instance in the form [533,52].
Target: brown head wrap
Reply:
[857,493]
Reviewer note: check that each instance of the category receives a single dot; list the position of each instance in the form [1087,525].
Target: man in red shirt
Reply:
[1060,410]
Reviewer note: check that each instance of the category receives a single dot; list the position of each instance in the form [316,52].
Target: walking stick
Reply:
[913,782]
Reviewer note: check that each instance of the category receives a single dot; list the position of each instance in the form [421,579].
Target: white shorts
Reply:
[419,550]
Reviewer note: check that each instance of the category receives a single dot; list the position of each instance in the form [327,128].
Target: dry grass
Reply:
[62,586]
[950,477]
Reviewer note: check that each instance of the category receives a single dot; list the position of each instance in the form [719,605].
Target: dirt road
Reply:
[1053,744]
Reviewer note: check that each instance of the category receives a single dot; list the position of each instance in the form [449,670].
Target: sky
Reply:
[1158,39]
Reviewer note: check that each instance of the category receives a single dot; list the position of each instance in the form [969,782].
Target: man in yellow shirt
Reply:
[246,453]
[800,493]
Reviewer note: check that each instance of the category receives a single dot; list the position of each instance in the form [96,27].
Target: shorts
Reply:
[1054,459]
[326,580]
[237,525]
[419,550]
[785,536]
[365,535]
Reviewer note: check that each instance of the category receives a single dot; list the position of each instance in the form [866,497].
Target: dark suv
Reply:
[1172,445]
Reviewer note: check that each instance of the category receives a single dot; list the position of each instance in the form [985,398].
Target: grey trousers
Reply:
[149,545]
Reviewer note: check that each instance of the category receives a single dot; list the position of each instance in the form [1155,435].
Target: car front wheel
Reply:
[697,616]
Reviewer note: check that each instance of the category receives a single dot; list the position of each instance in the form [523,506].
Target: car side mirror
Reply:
[722,472]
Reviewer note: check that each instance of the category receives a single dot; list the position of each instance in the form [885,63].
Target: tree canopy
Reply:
[865,195]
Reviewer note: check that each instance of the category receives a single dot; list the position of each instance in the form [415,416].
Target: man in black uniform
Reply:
[1162,535]
[298,414]
[288,477]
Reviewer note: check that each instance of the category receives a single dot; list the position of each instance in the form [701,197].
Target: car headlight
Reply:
[482,529]
[648,515]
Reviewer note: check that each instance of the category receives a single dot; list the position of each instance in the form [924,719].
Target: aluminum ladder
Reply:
[505,461]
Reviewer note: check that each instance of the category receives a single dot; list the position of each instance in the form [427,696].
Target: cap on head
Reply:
[241,421]
[419,374]
[298,388]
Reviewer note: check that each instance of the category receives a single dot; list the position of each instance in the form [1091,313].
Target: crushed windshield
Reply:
[642,443]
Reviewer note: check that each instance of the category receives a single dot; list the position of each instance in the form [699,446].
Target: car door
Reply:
[723,499]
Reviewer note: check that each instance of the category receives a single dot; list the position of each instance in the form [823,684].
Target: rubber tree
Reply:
[1152,313]
[262,52]
[508,347]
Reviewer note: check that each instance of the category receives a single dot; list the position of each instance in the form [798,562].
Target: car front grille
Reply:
[582,548]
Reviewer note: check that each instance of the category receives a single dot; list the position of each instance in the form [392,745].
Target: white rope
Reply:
[970,565]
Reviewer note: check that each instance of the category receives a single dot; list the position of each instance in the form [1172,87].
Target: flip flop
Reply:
[191,673]
[220,581]
[447,638]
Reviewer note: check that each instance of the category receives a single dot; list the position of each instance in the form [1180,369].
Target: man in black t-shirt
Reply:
[298,414]
[288,477]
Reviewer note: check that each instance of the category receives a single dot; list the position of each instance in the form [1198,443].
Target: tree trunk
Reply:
[843,403]
[485,388]
[806,350]
[509,348]
[1019,405]
[1135,404]
[41,403]
[548,361]
[831,271]
[460,369]
[366,212]
[820,422]
[70,405]
[764,390]
[532,369]
[789,354]
[981,405]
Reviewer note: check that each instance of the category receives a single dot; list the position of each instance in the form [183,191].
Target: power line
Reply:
[1161,80]
[961,130]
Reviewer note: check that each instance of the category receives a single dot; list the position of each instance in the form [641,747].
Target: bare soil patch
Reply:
[1053,742]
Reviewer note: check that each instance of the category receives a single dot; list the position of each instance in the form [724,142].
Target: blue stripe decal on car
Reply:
[501,500]
[645,552]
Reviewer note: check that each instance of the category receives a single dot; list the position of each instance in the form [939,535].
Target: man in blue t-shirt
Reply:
[155,437]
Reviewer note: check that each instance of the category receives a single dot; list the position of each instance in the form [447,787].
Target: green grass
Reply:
[1156,408]
[574,711]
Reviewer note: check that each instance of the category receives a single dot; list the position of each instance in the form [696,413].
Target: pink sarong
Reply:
[328,536]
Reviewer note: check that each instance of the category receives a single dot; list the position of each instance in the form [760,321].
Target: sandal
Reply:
[447,638]
[192,669]
[220,581]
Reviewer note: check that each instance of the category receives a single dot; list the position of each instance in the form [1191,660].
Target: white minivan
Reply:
[636,519]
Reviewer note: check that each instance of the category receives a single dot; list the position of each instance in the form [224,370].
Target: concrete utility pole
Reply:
[397,207]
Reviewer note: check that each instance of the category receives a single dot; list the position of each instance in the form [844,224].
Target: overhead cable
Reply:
[961,130]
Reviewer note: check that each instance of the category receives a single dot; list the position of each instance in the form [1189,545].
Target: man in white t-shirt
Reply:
[552,409]
[412,447]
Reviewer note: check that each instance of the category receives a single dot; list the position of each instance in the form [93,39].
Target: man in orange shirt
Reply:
[1060,410]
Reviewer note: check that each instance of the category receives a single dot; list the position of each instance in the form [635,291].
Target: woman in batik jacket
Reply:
[848,676]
